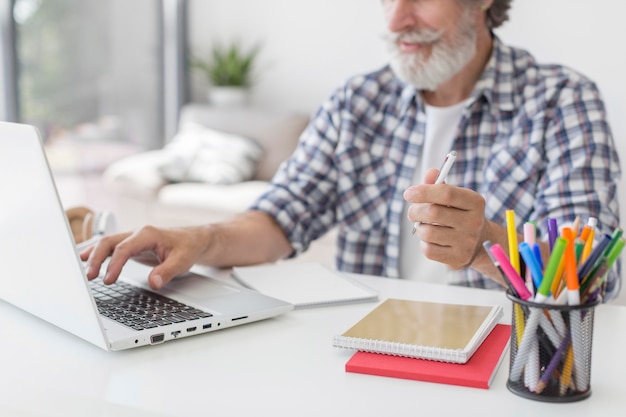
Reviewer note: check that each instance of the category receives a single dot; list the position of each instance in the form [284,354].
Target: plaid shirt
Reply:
[533,138]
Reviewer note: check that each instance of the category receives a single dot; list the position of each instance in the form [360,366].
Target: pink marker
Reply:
[510,274]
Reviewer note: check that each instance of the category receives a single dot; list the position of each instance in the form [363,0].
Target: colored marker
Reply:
[531,262]
[558,282]
[571,273]
[615,252]
[556,359]
[553,231]
[592,223]
[509,272]
[579,245]
[530,234]
[591,289]
[584,233]
[537,252]
[543,292]
[593,257]
[566,374]
[512,236]
[615,237]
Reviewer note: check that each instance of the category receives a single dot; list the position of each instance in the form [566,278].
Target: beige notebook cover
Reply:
[419,329]
[303,284]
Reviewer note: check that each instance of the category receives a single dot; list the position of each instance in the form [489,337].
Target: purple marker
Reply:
[553,231]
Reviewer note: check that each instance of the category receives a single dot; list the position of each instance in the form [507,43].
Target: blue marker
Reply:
[531,262]
[537,252]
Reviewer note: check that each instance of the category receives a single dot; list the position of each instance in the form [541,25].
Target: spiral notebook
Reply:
[478,372]
[419,329]
[303,284]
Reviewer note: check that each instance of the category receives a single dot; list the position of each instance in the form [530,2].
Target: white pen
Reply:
[441,177]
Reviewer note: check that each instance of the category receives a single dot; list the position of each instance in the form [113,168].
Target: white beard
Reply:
[447,58]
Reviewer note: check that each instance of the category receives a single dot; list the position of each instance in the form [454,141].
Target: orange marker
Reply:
[592,222]
[571,273]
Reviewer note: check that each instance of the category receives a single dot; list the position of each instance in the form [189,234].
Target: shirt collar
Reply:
[496,81]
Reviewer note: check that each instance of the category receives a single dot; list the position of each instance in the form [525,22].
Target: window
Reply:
[91,72]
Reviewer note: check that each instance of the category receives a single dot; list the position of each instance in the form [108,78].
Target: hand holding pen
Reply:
[443,173]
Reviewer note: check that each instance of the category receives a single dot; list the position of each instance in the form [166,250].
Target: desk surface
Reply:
[285,365]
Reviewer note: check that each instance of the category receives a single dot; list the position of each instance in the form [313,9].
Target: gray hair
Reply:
[497,14]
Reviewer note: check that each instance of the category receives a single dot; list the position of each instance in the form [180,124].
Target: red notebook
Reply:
[477,372]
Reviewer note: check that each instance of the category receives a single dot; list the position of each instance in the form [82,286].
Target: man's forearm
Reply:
[248,238]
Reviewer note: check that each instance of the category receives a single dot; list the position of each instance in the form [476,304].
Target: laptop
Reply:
[43,274]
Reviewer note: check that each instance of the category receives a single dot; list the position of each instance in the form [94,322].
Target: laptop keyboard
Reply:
[138,308]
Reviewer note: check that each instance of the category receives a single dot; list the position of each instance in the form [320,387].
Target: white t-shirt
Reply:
[441,128]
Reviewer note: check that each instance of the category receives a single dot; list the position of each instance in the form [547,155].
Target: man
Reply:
[529,137]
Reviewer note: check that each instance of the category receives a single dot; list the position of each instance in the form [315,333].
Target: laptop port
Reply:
[191,329]
[157,338]
[176,333]
[206,326]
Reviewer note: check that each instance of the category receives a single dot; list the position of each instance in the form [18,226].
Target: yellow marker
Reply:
[558,283]
[588,246]
[566,375]
[515,263]
[512,234]
[519,322]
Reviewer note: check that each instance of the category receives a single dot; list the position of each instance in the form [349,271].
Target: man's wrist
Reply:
[482,262]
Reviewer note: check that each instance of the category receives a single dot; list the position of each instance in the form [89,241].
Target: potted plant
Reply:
[229,71]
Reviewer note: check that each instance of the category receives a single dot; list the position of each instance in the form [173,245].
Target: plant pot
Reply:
[228,96]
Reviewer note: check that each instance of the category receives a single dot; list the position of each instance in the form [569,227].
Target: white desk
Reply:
[282,366]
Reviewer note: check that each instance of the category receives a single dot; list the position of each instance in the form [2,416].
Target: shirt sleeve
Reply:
[583,168]
[302,194]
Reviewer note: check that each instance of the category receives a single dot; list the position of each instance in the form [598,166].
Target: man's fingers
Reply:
[97,254]
[431,176]
[175,263]
[84,255]
[139,244]
[171,252]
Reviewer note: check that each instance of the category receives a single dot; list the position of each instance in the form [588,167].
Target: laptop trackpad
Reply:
[197,288]
[190,286]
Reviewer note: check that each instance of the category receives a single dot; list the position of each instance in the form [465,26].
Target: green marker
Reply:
[543,292]
[579,245]
[617,234]
[615,251]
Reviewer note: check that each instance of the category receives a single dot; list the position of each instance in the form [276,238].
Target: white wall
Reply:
[311,46]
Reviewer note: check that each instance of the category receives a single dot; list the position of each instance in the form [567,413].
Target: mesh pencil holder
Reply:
[550,351]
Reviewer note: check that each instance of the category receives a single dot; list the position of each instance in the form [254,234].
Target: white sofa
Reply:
[142,196]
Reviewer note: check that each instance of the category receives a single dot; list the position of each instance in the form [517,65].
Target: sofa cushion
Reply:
[137,175]
[277,133]
[231,198]
[202,154]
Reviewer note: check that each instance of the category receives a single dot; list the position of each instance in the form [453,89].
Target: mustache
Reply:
[414,36]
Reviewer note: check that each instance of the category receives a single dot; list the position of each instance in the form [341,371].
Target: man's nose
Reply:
[400,15]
